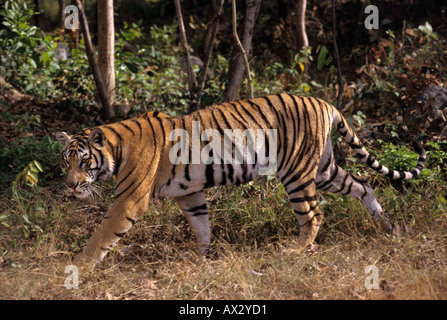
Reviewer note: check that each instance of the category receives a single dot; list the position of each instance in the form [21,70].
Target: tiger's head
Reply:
[87,157]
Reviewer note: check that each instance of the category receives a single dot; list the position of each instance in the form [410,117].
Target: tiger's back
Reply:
[278,131]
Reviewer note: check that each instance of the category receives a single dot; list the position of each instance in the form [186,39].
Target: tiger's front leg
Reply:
[118,220]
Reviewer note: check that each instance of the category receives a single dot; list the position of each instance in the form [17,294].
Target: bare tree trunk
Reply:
[208,51]
[337,58]
[301,24]
[301,35]
[107,108]
[192,81]
[242,50]
[37,19]
[106,46]
[196,87]
[236,68]
[61,14]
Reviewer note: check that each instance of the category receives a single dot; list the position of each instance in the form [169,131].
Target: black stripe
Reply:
[147,169]
[224,176]
[327,164]
[301,213]
[304,199]
[131,220]
[224,118]
[219,128]
[125,178]
[279,95]
[295,129]
[304,149]
[365,193]
[139,127]
[247,112]
[302,186]
[187,177]
[370,160]
[183,187]
[127,127]
[356,146]
[120,235]
[209,176]
[122,192]
[196,208]
[114,131]
[230,173]
[264,118]
[349,189]
[200,213]
[390,173]
[117,150]
[342,184]
[239,119]
[361,155]
[334,174]
[162,129]
[282,123]
[153,131]
[401,174]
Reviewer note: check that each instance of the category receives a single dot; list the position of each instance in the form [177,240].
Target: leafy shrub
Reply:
[435,170]
[18,44]
[16,156]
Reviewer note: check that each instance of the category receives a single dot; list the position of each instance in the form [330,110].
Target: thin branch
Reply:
[337,58]
[243,52]
[192,82]
[107,108]
[301,24]
[209,47]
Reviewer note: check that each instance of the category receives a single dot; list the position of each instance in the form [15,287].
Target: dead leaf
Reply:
[387,286]
[355,292]
[146,283]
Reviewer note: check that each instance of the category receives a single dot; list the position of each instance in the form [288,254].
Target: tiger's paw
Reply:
[84,264]
[311,248]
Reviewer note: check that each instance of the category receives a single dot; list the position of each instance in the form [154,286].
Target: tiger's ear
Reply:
[97,138]
[62,137]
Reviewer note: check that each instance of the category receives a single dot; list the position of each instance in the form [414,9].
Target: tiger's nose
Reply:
[71,185]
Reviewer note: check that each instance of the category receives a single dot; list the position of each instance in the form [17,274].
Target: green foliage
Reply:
[28,175]
[18,43]
[398,158]
[24,156]
[402,158]
[22,151]
[272,76]
[151,75]
[324,58]
[400,68]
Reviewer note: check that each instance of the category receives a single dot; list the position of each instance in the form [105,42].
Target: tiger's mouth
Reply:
[86,191]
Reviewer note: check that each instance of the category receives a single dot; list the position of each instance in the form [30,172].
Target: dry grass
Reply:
[250,258]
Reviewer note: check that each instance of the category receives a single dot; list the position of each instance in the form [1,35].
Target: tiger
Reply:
[150,158]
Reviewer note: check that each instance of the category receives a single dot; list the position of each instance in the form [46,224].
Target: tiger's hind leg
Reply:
[304,202]
[332,178]
[194,207]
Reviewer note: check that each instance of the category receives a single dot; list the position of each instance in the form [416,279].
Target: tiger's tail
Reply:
[339,122]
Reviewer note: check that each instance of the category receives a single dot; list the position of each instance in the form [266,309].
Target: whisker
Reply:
[96,190]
